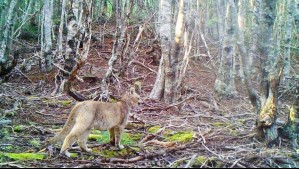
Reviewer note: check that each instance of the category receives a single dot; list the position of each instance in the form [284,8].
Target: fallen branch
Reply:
[142,65]
[161,143]
[236,162]
[170,106]
[4,122]
[191,161]
[150,155]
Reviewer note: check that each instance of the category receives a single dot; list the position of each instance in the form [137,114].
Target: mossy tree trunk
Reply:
[270,71]
[291,129]
[77,44]
[296,15]
[7,62]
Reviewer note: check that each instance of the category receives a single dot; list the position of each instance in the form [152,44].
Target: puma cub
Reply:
[87,115]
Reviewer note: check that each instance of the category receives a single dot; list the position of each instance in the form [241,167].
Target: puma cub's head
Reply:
[131,98]
[135,97]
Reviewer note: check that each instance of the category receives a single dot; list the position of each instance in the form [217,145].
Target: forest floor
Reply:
[205,130]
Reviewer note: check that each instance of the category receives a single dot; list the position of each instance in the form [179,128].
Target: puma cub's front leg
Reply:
[112,136]
[118,133]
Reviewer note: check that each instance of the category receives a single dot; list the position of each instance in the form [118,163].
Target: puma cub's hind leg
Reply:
[112,136]
[118,133]
[70,139]
[82,140]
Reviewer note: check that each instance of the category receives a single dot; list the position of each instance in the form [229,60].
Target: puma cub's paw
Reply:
[65,153]
[121,147]
[88,150]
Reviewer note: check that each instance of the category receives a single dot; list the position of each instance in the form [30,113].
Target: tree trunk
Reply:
[120,43]
[287,39]
[291,130]
[220,14]
[253,61]
[172,79]
[172,66]
[79,31]
[7,62]
[46,33]
[225,83]
[296,15]
[159,90]
[266,124]
[252,93]
[61,26]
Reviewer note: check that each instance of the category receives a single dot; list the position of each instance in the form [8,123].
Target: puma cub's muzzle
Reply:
[135,97]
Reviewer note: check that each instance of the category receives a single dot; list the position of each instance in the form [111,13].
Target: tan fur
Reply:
[99,115]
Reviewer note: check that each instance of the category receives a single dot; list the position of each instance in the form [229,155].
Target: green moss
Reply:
[4,132]
[134,137]
[131,126]
[219,124]
[65,102]
[33,98]
[33,124]
[25,156]
[234,132]
[154,129]
[103,137]
[50,102]
[10,114]
[200,160]
[126,152]
[95,137]
[112,153]
[9,148]
[181,136]
[96,132]
[19,128]
[137,149]
[127,138]
[35,143]
[73,155]
[241,121]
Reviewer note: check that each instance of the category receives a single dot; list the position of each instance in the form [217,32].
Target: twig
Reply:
[2,164]
[191,161]
[177,161]
[142,65]
[203,138]
[161,143]
[16,166]
[235,163]
[24,74]
[219,156]
[5,144]
[170,106]
[5,122]
[45,114]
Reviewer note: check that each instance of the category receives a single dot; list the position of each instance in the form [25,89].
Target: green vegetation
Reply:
[24,156]
[154,129]
[181,136]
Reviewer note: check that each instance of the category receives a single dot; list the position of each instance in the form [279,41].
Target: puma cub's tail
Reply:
[66,128]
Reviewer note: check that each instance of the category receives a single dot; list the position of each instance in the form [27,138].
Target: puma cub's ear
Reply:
[132,90]
[137,87]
